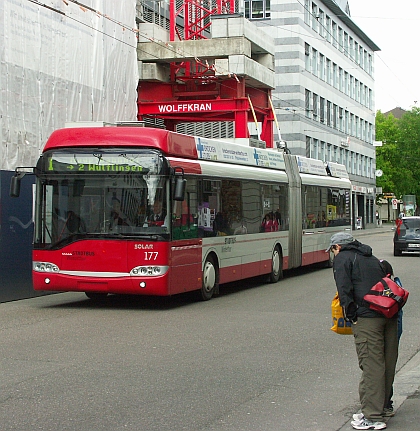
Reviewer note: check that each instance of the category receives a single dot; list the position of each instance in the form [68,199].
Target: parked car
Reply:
[407,235]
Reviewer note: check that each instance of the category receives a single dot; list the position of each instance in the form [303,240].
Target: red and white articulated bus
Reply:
[134,210]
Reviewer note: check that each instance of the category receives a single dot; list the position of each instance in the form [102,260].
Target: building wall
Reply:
[324,95]
[60,63]
[324,87]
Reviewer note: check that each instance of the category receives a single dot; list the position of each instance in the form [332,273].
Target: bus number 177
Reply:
[150,255]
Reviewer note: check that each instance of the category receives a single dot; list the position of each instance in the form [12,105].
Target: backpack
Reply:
[386,297]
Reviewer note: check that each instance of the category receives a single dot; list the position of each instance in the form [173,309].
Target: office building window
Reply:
[307,103]
[357,87]
[257,9]
[315,106]
[328,71]
[328,28]
[308,146]
[314,154]
[321,22]
[346,83]
[335,75]
[340,79]
[307,13]
[328,113]
[370,65]
[335,108]
[322,110]
[341,39]
[346,44]
[361,56]
[341,119]
[314,17]
[315,62]
[334,34]
[307,58]
[348,161]
[321,67]
[346,122]
[322,151]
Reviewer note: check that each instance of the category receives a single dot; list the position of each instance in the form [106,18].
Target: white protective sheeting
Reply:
[63,62]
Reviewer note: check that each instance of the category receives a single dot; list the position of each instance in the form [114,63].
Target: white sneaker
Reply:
[358,417]
[366,424]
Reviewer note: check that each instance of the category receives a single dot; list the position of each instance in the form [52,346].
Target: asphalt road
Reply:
[258,357]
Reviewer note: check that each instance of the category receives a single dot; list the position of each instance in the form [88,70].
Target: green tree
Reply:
[399,156]
[387,156]
[409,147]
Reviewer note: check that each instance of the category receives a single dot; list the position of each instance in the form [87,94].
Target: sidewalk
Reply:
[407,381]
[406,398]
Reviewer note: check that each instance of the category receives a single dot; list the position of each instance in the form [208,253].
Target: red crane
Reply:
[195,93]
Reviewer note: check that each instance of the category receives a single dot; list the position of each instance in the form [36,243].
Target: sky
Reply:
[394,26]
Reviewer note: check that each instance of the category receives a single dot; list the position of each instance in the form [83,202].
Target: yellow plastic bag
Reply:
[340,326]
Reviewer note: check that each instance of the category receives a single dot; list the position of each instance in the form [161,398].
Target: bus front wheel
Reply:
[276,266]
[210,279]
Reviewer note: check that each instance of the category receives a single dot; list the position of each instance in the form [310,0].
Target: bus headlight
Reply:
[148,271]
[45,267]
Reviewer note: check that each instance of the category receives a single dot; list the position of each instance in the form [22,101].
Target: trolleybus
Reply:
[136,210]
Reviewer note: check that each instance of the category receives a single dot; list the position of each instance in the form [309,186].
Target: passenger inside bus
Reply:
[220,226]
[241,229]
[269,224]
[277,217]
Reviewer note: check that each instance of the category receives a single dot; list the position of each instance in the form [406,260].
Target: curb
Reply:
[406,387]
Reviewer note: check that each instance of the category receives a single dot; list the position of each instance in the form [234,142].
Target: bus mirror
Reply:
[179,192]
[15,185]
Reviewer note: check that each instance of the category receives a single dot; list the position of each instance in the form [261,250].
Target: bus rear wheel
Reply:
[276,266]
[209,280]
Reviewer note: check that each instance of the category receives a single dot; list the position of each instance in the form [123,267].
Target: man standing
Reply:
[356,270]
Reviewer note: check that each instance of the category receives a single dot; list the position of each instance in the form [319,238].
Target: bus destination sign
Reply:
[62,163]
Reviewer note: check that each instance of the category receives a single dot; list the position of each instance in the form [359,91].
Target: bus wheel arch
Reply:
[276,273]
[210,277]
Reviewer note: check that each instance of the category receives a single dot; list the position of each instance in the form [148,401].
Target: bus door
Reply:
[186,246]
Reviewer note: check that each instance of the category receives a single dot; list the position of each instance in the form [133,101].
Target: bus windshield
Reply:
[100,194]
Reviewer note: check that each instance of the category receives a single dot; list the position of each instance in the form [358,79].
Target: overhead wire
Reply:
[292,107]
[138,33]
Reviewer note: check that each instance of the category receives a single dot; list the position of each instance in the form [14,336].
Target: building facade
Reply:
[324,95]
[324,87]
[58,63]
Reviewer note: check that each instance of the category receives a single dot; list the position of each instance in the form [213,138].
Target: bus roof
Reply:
[170,143]
[184,146]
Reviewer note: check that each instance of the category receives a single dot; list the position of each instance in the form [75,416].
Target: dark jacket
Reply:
[356,270]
